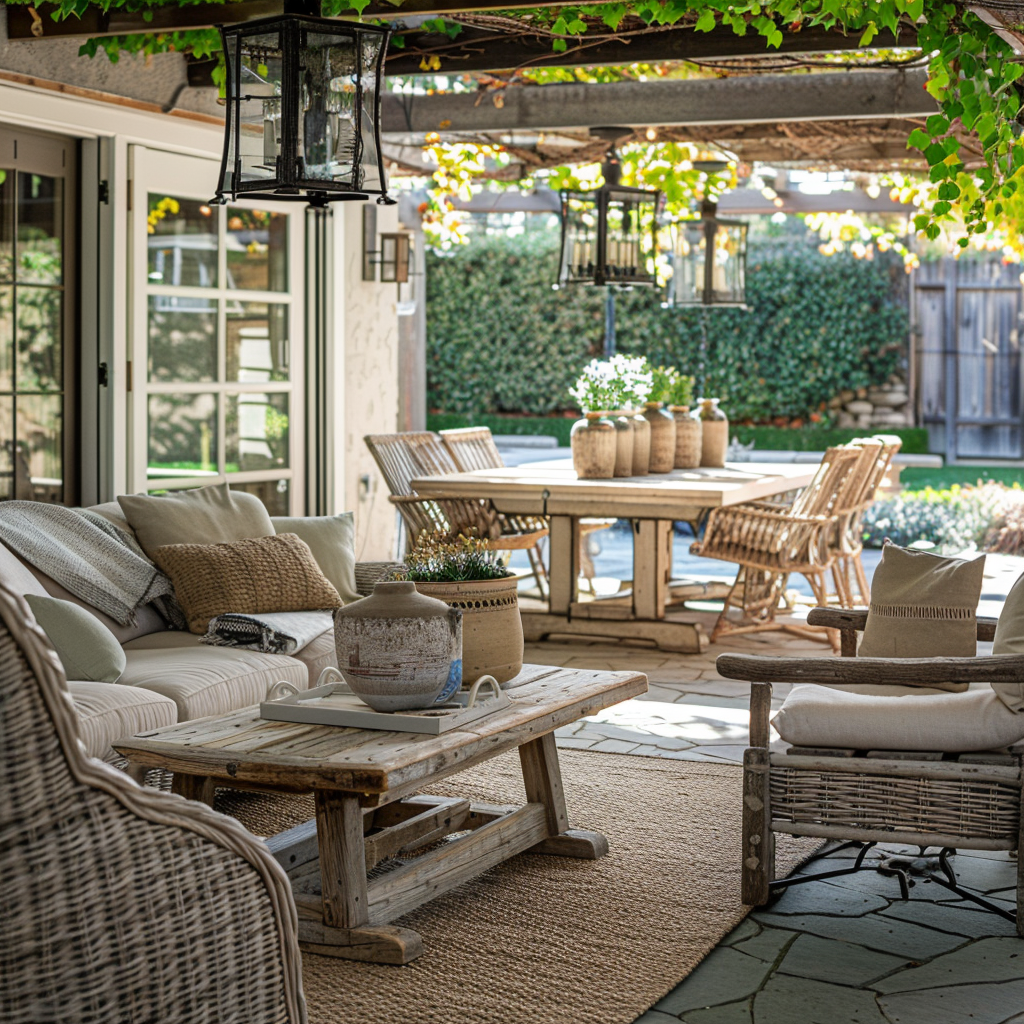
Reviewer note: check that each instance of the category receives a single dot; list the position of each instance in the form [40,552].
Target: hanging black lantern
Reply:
[709,261]
[303,109]
[609,234]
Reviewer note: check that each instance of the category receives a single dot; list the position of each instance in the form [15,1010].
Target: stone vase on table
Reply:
[663,438]
[688,438]
[593,447]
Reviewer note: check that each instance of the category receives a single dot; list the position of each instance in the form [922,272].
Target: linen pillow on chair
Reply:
[923,606]
[1009,639]
[246,577]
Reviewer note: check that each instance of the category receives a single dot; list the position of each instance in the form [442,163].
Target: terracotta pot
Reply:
[399,649]
[623,444]
[714,432]
[492,631]
[663,437]
[688,438]
[641,445]
[593,447]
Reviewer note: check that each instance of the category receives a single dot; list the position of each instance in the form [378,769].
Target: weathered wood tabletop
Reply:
[652,502]
[364,784]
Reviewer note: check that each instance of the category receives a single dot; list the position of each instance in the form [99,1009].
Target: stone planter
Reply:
[492,631]
[688,438]
[593,447]
[641,445]
[663,438]
[714,432]
[399,649]
[623,444]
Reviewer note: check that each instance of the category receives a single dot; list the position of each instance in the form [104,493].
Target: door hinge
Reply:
[128,375]
[105,191]
[102,375]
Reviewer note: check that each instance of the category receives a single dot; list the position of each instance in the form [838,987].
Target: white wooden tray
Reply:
[334,703]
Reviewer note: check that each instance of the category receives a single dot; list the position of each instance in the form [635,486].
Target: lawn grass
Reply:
[916,478]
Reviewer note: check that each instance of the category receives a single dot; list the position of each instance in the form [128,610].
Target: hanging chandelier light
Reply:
[709,261]
[609,234]
[303,109]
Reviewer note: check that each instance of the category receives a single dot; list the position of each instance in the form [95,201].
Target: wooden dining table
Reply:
[651,504]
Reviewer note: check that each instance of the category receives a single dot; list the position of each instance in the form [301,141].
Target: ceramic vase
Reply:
[593,447]
[399,649]
[623,444]
[714,432]
[492,631]
[641,445]
[663,437]
[688,438]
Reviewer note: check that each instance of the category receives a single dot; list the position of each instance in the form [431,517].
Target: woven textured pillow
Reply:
[248,577]
[1009,639]
[923,606]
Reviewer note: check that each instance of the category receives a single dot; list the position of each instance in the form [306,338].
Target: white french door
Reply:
[216,376]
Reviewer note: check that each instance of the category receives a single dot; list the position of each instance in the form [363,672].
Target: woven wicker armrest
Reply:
[369,574]
[1001,668]
[856,619]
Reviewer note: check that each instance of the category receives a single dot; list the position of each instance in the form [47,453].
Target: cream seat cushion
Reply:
[317,655]
[1009,639]
[885,717]
[108,711]
[204,680]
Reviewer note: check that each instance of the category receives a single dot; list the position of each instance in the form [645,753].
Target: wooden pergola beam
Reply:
[748,99]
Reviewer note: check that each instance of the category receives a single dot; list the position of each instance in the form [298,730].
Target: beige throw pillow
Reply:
[332,539]
[923,606]
[260,574]
[1009,639]
[206,515]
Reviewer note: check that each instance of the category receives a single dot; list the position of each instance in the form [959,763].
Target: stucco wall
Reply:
[369,382]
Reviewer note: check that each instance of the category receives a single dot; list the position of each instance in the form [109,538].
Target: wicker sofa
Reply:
[123,903]
[170,676]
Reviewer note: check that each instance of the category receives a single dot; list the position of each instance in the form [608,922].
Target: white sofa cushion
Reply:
[204,680]
[318,654]
[1009,639]
[881,717]
[107,712]
[332,539]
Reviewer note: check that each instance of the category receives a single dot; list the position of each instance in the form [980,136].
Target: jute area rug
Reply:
[551,940]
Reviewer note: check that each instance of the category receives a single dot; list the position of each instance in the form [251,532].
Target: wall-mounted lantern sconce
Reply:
[393,256]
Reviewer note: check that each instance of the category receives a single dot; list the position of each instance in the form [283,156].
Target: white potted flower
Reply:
[634,383]
[593,437]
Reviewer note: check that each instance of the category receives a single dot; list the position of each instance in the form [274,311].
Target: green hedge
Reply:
[803,439]
[500,339]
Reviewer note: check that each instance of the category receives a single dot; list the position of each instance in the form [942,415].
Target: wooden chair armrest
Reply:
[994,668]
[760,715]
[856,618]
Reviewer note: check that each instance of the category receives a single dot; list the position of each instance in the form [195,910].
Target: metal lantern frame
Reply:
[290,181]
[605,265]
[710,225]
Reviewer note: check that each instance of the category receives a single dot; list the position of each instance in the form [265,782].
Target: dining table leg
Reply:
[564,567]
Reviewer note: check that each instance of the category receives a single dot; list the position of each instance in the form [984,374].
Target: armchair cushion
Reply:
[887,717]
[1009,639]
[923,606]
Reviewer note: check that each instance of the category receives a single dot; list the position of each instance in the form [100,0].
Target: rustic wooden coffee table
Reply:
[364,784]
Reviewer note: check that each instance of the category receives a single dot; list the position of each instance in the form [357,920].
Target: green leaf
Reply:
[869,33]
[937,125]
[559,45]
[706,21]
[919,139]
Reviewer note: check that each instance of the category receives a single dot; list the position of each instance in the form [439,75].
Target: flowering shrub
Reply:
[633,381]
[953,519]
[596,388]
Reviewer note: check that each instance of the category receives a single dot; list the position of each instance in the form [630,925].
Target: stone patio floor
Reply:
[843,951]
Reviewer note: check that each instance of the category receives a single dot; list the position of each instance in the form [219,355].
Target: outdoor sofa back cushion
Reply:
[246,577]
[15,575]
[923,606]
[1009,639]
[332,539]
[206,515]
[86,648]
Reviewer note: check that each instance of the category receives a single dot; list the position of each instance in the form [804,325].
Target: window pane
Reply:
[257,342]
[257,432]
[6,447]
[40,453]
[182,435]
[257,250]
[182,339]
[273,494]
[6,225]
[6,341]
[40,347]
[40,228]
[182,242]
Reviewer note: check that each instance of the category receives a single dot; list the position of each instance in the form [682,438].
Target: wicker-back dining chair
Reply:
[768,542]
[123,903]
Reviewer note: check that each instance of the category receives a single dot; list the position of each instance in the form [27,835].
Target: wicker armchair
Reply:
[122,903]
[926,799]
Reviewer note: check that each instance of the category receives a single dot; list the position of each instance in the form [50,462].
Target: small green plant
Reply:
[681,391]
[594,390]
[663,380]
[463,559]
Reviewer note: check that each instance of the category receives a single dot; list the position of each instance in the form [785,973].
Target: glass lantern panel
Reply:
[688,265]
[630,234]
[370,177]
[727,270]
[579,245]
[258,132]
[329,84]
